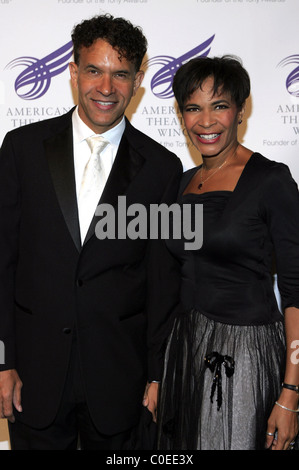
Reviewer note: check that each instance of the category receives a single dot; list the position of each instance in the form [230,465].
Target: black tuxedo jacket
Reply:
[115,295]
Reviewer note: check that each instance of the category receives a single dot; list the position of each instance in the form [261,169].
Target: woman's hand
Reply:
[150,398]
[283,424]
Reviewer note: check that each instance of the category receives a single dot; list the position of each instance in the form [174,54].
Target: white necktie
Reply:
[92,185]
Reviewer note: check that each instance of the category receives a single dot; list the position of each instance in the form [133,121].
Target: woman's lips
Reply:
[208,138]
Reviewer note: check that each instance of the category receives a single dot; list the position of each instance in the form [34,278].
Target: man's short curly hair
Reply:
[124,37]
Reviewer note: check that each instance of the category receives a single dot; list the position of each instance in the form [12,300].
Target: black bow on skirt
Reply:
[214,361]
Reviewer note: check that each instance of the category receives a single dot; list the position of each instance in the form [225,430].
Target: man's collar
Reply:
[82,131]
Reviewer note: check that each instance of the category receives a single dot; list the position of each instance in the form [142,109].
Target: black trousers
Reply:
[72,428]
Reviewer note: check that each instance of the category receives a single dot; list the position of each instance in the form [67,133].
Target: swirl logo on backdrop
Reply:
[165,120]
[288,112]
[161,83]
[35,80]
[292,80]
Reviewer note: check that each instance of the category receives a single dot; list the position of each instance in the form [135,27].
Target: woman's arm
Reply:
[283,421]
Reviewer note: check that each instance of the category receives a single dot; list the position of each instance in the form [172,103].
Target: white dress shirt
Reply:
[82,154]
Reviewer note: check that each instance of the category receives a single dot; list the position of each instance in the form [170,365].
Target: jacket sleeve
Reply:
[9,230]
[163,289]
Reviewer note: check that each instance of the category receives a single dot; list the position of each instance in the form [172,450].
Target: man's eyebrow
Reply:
[92,66]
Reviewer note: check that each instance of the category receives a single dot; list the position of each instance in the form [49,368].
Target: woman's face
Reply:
[211,120]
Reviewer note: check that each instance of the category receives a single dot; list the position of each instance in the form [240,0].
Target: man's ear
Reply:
[137,81]
[73,68]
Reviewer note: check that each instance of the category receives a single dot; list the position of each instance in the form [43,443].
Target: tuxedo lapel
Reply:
[59,153]
[127,164]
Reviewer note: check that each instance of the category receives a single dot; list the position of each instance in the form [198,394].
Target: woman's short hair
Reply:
[228,73]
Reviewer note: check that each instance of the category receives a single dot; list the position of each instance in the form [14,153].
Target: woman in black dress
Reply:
[232,361]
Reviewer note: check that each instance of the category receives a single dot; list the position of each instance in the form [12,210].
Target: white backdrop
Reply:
[263,33]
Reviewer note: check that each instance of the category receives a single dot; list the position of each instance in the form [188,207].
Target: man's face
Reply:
[105,85]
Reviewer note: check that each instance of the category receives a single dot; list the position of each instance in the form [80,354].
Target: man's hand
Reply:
[150,399]
[10,394]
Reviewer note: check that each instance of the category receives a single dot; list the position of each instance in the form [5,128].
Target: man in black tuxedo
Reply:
[83,319]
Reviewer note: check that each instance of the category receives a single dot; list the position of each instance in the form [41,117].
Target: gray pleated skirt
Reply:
[220,384]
